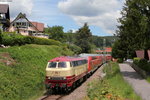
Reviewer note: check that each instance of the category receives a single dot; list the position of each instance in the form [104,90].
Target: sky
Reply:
[101,15]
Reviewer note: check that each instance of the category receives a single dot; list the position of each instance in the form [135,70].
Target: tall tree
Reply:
[134,28]
[70,37]
[84,39]
[56,33]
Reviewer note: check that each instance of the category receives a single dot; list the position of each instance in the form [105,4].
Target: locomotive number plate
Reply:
[56,73]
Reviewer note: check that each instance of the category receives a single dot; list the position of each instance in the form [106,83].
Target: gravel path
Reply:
[140,86]
[80,92]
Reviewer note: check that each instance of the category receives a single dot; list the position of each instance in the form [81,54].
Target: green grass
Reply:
[148,79]
[25,78]
[112,87]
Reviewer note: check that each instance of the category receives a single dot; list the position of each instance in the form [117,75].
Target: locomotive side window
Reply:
[75,63]
[79,62]
[62,65]
[52,65]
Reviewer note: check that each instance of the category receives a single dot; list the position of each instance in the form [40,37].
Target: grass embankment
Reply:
[22,69]
[112,87]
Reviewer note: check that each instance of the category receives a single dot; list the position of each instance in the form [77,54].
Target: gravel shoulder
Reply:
[140,85]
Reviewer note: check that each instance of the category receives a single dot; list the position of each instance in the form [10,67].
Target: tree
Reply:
[97,41]
[56,33]
[70,37]
[134,29]
[118,50]
[84,39]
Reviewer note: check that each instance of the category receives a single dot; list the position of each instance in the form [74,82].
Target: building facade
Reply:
[22,25]
[4,17]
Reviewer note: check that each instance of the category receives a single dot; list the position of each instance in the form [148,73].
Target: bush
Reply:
[142,63]
[15,39]
[76,49]
[120,60]
[136,60]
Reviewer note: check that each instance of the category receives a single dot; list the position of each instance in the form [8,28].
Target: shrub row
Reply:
[142,63]
[14,39]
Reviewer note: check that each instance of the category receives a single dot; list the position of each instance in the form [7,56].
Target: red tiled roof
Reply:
[39,26]
[106,50]
[4,8]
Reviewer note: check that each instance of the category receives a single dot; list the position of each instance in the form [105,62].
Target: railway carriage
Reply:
[94,61]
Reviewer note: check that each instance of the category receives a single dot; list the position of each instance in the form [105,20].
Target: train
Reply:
[67,72]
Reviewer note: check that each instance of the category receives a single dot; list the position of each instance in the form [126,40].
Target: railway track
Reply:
[53,97]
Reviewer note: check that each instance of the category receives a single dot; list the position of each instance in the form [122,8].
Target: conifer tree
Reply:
[134,29]
[84,39]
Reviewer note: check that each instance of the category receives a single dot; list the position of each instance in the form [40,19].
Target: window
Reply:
[62,65]
[74,63]
[52,65]
[80,62]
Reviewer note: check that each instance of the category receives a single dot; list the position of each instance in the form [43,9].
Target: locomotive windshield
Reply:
[62,65]
[52,64]
[57,65]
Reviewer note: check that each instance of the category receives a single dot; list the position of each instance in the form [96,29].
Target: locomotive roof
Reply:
[66,58]
[87,55]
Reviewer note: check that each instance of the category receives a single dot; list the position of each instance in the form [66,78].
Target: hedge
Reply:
[142,63]
[14,39]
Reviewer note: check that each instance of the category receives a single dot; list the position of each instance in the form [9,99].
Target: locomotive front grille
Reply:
[56,78]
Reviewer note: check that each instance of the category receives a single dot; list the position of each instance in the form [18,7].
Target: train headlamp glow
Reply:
[49,77]
[64,78]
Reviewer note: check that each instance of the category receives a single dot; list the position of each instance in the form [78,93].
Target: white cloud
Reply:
[102,13]
[17,6]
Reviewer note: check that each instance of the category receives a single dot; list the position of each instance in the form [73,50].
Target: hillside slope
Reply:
[22,69]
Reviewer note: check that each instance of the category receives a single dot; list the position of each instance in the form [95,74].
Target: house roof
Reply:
[4,8]
[108,49]
[39,26]
[105,50]
[22,17]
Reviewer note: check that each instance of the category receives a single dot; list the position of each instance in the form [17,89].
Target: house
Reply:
[22,25]
[4,16]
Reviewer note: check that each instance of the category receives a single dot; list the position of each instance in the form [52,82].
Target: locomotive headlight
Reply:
[64,78]
[49,77]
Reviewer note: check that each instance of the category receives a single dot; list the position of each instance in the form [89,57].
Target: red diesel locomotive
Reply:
[66,72]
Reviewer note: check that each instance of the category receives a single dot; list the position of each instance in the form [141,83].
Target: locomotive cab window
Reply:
[52,65]
[62,65]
